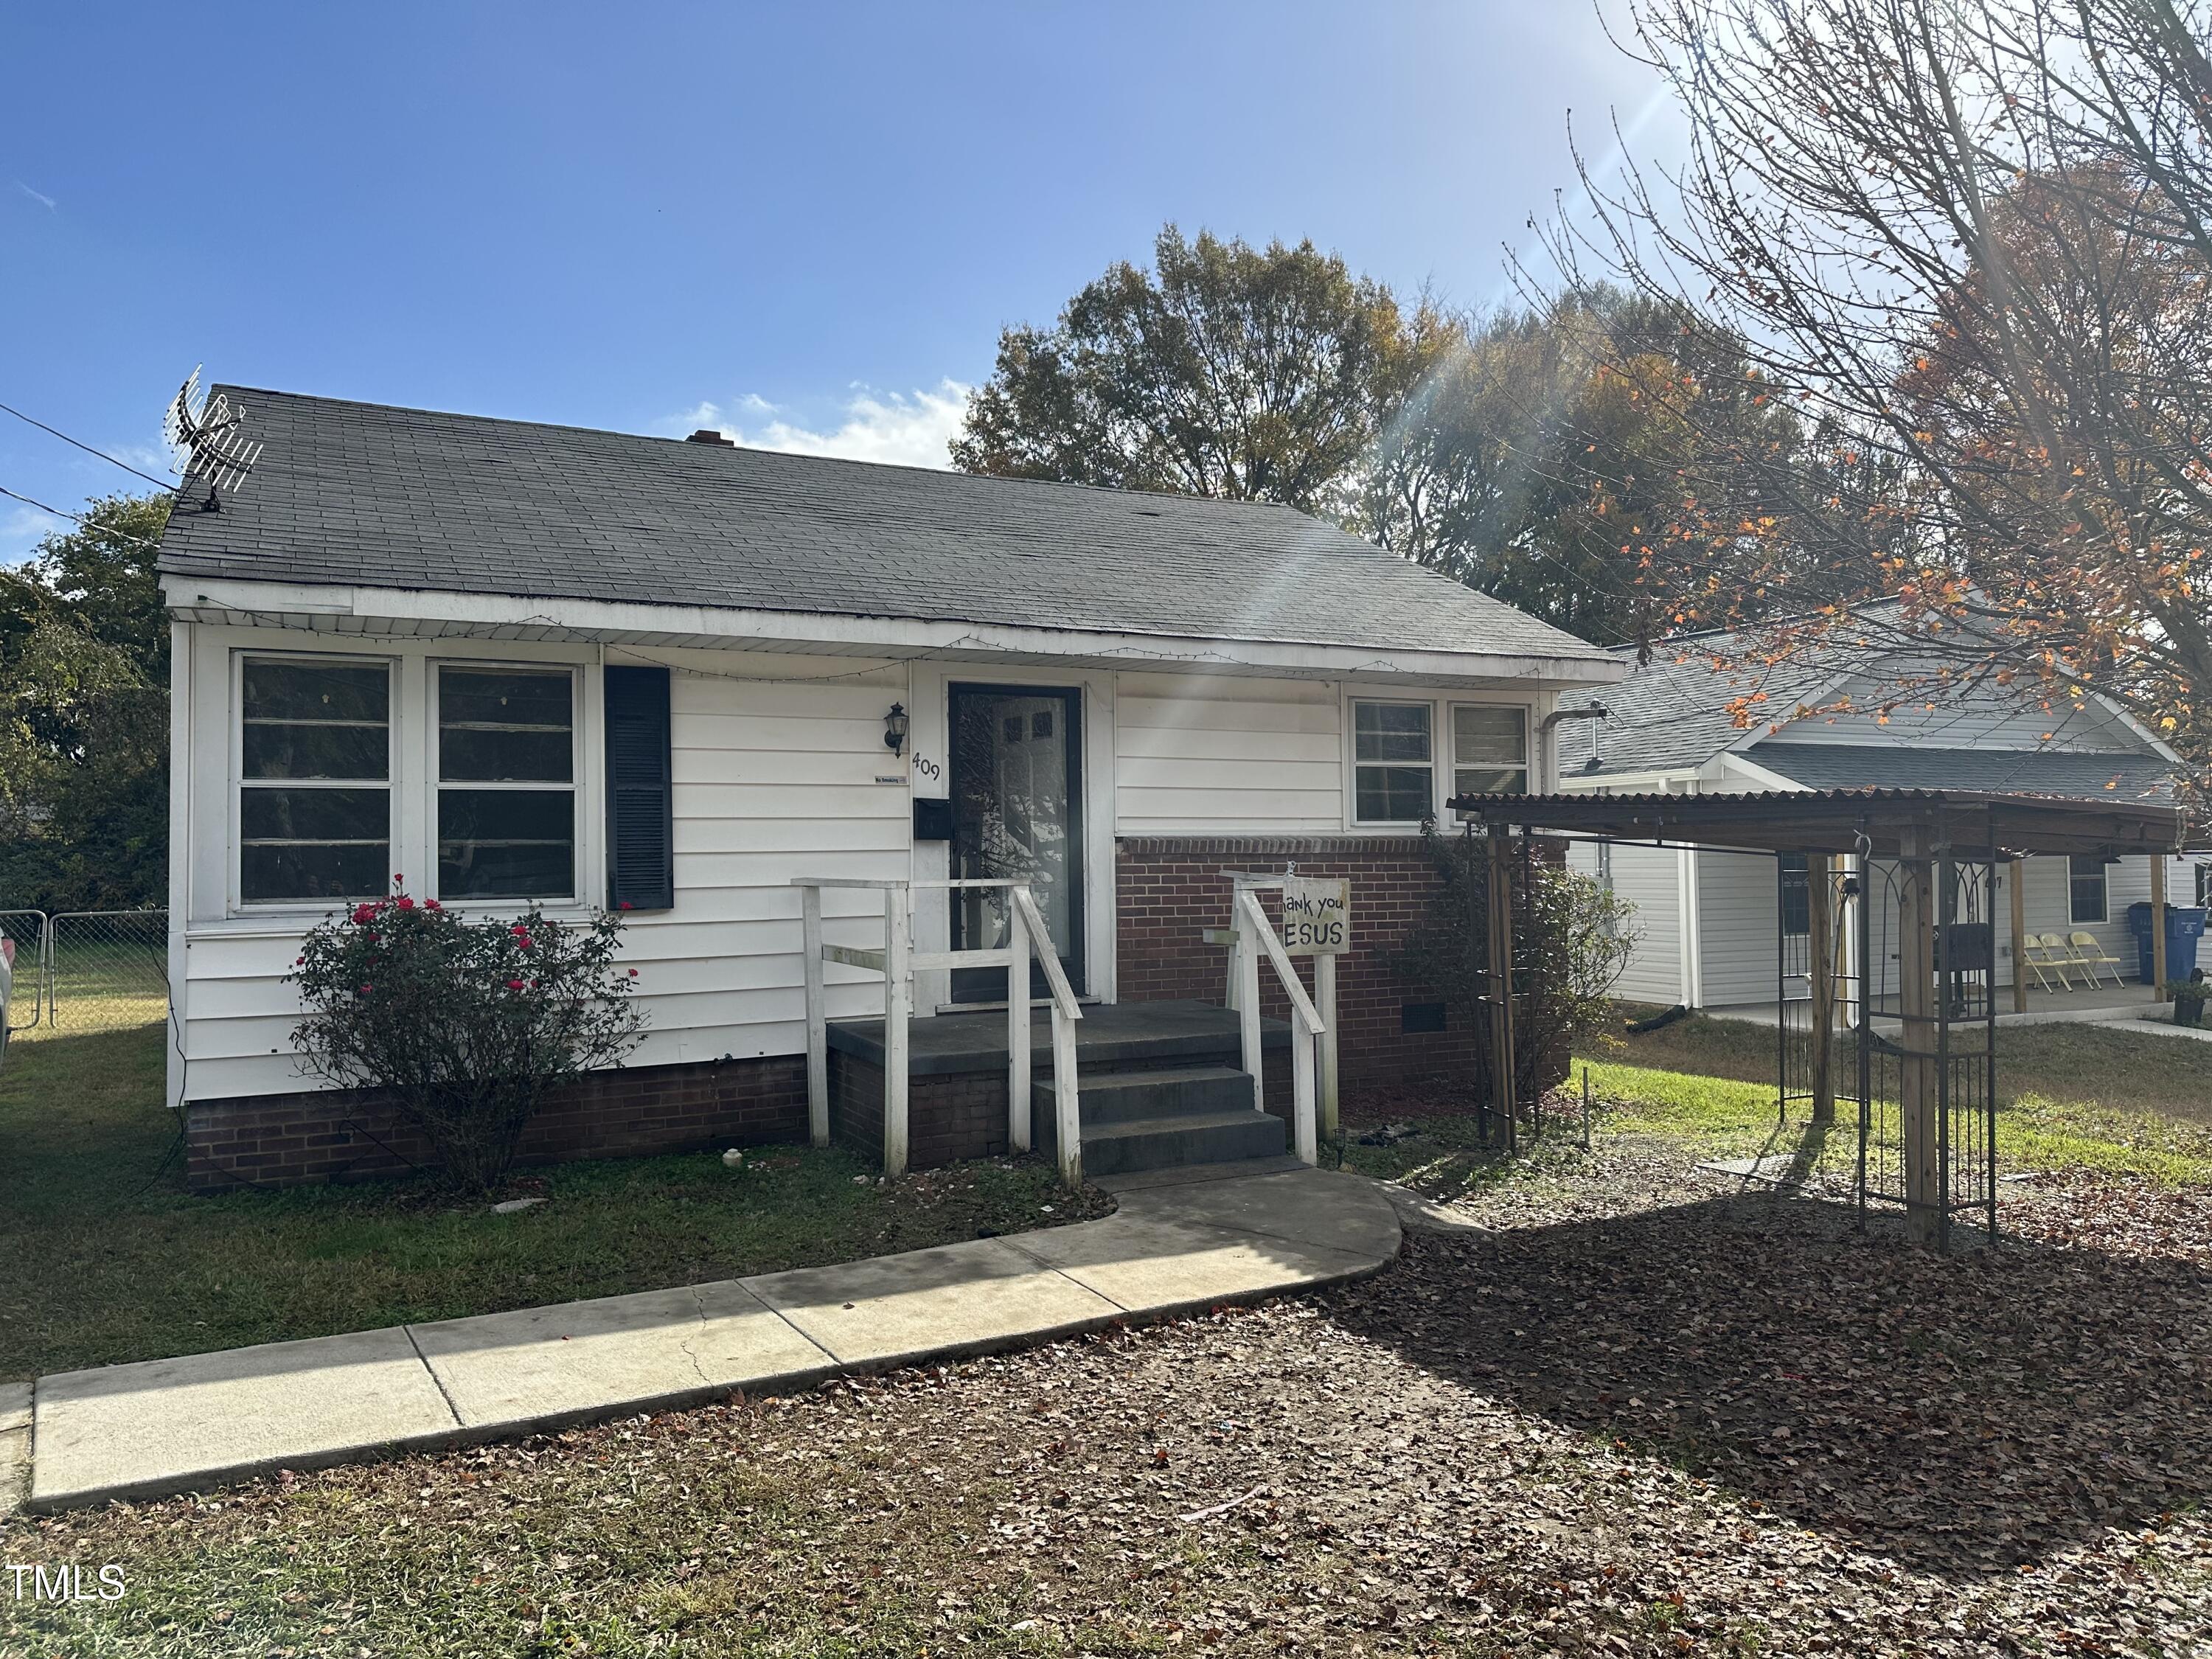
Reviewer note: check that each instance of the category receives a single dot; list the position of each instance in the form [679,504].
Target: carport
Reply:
[1900,952]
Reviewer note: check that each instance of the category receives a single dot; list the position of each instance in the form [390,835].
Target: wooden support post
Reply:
[1325,995]
[898,1009]
[817,1029]
[1919,1093]
[2157,926]
[1018,1134]
[1820,951]
[1501,1081]
[2016,879]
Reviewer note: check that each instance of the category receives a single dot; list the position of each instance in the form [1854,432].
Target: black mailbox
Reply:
[932,818]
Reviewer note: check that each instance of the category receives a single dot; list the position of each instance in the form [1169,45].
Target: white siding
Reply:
[1222,756]
[1647,879]
[1736,904]
[775,765]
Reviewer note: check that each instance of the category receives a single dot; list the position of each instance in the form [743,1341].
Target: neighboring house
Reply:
[1708,920]
[526,663]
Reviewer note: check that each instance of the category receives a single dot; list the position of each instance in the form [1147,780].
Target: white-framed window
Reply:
[505,765]
[1392,762]
[2088,898]
[1489,749]
[314,779]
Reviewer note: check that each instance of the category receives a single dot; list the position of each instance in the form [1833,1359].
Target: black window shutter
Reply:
[640,815]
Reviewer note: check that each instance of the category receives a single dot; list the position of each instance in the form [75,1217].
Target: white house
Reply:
[526,663]
[1708,920]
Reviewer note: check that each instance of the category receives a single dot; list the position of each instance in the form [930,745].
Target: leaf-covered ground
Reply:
[1629,1411]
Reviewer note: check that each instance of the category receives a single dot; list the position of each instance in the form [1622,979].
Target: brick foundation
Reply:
[1170,888]
[351,1134]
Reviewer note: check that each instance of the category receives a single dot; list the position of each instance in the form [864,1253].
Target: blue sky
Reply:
[814,218]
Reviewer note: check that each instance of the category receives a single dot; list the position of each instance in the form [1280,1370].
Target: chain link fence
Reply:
[87,970]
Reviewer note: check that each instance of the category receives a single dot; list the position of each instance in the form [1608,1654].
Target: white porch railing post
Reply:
[1248,991]
[898,1008]
[1306,1024]
[1018,1136]
[1067,1107]
[818,1026]
[1325,995]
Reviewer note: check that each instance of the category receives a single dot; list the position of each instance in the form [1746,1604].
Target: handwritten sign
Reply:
[1316,916]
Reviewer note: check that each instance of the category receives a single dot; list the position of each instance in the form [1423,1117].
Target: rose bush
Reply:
[466,1023]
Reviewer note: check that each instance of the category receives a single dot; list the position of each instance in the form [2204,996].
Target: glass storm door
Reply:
[1017,814]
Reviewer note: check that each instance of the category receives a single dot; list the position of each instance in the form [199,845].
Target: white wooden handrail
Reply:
[898,961]
[1255,938]
[1067,1103]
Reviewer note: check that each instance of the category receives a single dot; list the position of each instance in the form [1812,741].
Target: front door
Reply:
[1016,788]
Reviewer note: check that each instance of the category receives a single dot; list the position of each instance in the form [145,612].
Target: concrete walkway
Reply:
[1182,1240]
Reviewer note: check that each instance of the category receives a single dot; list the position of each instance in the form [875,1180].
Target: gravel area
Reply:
[1625,1410]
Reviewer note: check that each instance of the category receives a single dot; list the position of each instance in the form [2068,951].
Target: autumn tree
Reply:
[1252,373]
[1967,247]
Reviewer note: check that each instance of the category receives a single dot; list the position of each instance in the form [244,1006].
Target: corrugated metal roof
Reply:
[2085,774]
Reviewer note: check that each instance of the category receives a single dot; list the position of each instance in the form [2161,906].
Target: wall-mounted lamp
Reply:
[895,729]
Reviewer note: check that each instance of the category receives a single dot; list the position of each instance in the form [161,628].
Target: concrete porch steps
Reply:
[1138,1121]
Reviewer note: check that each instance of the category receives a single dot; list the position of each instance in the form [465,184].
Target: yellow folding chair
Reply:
[2089,954]
[2046,960]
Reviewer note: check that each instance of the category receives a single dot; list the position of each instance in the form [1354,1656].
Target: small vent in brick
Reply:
[1420,1017]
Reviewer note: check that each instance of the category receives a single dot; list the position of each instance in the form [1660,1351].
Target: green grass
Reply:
[110,1260]
[2070,1097]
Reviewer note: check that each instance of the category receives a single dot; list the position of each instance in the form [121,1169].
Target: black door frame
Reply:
[968,983]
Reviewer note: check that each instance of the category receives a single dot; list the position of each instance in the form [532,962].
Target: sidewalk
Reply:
[1182,1240]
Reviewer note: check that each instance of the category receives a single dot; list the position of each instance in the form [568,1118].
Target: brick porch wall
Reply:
[1170,888]
[352,1134]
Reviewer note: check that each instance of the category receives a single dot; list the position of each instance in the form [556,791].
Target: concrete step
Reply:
[1126,1096]
[1185,1138]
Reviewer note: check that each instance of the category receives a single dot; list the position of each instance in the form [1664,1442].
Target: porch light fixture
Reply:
[895,729]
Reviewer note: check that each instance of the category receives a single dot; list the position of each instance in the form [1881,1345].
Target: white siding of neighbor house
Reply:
[779,768]
[1737,903]
[1646,878]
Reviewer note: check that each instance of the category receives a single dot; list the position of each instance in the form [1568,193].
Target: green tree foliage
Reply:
[1534,454]
[467,1024]
[1541,455]
[1251,373]
[84,716]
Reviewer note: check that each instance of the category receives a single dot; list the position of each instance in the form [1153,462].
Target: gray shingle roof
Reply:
[1673,711]
[360,494]
[2079,775]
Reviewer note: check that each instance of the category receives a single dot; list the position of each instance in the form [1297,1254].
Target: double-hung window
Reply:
[2087,898]
[314,780]
[506,782]
[1489,750]
[1393,766]
[1797,894]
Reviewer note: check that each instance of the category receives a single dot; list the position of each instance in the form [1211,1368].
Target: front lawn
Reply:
[108,1259]
[2068,1098]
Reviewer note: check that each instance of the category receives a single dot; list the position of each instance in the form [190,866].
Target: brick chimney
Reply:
[707,434]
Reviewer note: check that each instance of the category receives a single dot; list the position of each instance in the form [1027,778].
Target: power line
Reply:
[164,482]
[78,518]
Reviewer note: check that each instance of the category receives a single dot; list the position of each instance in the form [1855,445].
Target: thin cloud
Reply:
[22,530]
[904,428]
[38,196]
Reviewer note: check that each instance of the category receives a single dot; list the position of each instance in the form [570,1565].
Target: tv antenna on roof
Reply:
[209,439]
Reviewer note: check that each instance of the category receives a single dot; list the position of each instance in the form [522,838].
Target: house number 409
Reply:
[927,767]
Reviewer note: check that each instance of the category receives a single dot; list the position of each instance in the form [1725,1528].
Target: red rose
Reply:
[633,973]
[404,903]
[366,989]
[625,905]
[397,878]
[432,904]
[362,912]
[515,985]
